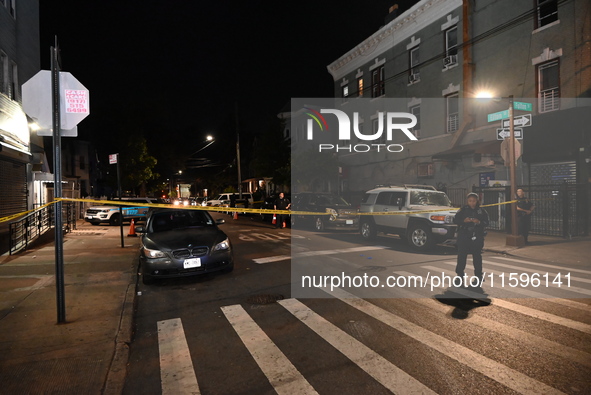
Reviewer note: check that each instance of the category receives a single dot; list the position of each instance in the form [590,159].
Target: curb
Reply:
[115,380]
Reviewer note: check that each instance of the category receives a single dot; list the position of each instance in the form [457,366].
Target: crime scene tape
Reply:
[234,209]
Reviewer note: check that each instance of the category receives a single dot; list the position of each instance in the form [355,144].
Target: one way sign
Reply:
[502,134]
[520,121]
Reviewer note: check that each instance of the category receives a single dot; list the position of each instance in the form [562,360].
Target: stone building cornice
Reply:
[402,28]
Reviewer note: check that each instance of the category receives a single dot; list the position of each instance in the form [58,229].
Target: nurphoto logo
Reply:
[392,121]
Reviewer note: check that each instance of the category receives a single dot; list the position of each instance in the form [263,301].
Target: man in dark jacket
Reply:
[524,210]
[282,203]
[471,220]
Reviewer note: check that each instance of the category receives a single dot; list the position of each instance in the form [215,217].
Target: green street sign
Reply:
[497,116]
[522,106]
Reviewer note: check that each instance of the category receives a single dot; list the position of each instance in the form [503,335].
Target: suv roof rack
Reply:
[407,186]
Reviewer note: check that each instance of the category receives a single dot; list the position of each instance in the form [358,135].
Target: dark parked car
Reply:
[344,216]
[177,242]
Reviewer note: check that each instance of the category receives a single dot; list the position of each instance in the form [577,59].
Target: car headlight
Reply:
[221,246]
[153,253]
[105,210]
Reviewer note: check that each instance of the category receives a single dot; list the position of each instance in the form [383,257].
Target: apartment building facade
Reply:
[21,150]
[438,56]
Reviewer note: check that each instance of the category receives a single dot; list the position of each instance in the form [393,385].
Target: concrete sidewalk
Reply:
[575,252]
[88,354]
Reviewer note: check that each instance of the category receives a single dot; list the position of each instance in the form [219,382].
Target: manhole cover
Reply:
[264,299]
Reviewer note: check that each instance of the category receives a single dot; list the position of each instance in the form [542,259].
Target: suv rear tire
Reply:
[419,237]
[368,230]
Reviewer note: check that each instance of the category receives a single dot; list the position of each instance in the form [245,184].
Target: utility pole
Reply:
[514,239]
[238,155]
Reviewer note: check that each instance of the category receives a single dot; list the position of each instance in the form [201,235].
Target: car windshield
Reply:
[328,200]
[428,198]
[179,219]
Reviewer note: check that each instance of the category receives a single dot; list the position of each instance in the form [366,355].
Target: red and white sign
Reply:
[113,159]
[76,101]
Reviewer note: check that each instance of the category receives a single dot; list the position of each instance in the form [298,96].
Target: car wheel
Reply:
[115,220]
[420,237]
[319,224]
[368,230]
[229,269]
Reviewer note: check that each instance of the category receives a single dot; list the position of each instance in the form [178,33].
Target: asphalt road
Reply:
[225,334]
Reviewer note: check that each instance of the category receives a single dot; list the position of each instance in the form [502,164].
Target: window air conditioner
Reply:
[450,60]
[414,77]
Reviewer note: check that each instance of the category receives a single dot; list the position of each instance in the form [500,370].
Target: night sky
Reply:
[178,68]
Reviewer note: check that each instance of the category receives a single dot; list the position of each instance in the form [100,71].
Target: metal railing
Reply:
[30,227]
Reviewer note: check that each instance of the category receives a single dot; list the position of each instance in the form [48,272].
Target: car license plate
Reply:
[193,262]
[349,222]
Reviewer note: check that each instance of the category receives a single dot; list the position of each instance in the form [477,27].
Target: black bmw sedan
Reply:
[182,242]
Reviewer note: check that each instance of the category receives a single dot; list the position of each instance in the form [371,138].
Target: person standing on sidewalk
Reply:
[471,220]
[282,203]
[524,210]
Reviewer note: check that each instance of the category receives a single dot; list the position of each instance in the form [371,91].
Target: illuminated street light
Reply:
[209,137]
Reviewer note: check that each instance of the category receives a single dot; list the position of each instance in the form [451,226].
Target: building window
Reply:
[378,82]
[13,91]
[549,86]
[3,72]
[451,47]
[413,60]
[360,87]
[453,115]
[547,12]
[425,170]
[416,111]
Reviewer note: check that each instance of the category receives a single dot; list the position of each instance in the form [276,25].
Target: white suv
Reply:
[98,214]
[224,199]
[421,229]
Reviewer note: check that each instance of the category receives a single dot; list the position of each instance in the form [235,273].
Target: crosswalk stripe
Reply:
[385,372]
[519,335]
[283,376]
[568,323]
[304,254]
[511,378]
[539,295]
[541,264]
[176,368]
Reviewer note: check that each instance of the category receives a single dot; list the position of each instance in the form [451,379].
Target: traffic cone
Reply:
[235,214]
[274,222]
[132,230]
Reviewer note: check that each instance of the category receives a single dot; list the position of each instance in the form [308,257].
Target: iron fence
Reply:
[30,227]
[560,209]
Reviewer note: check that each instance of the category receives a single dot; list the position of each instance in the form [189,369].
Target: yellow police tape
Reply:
[232,209]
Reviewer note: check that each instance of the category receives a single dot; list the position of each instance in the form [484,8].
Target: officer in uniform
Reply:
[471,220]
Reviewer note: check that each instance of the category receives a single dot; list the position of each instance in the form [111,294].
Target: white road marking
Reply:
[385,372]
[511,378]
[317,253]
[541,315]
[534,294]
[176,368]
[283,376]
[541,264]
[521,336]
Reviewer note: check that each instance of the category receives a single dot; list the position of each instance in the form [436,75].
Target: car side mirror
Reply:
[220,221]
[399,201]
[140,229]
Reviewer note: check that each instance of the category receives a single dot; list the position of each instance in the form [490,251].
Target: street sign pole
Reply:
[514,239]
[120,209]
[57,187]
